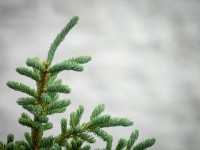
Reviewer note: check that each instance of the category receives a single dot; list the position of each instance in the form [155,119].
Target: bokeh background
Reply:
[146,63]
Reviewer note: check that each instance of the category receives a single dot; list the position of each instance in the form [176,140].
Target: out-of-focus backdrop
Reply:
[146,63]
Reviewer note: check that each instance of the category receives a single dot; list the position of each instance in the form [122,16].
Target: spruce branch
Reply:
[104,136]
[27,72]
[101,121]
[26,101]
[35,63]
[66,65]
[77,115]
[44,101]
[2,145]
[43,119]
[116,121]
[121,144]
[60,37]
[22,88]
[87,137]
[22,145]
[145,144]
[80,59]
[25,120]
[10,138]
[58,88]
[57,106]
[36,110]
[47,126]
[133,138]
[47,142]
[63,124]
[86,147]
[97,111]
[28,138]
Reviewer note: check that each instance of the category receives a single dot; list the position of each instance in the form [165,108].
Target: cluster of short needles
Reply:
[44,101]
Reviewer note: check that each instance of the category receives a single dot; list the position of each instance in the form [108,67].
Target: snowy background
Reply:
[146,63]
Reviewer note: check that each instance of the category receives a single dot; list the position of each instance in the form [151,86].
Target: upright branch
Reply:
[37,132]
[60,37]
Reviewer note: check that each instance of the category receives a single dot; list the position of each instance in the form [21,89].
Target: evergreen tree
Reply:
[44,101]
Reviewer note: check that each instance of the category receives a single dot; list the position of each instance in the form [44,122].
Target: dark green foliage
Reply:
[58,88]
[57,106]
[80,59]
[144,144]
[87,137]
[44,101]
[101,121]
[47,142]
[116,121]
[97,111]
[35,63]
[66,65]
[10,138]
[2,145]
[47,126]
[121,144]
[60,37]
[28,138]
[33,109]
[26,101]
[102,134]
[25,120]
[86,147]
[133,138]
[63,125]
[75,117]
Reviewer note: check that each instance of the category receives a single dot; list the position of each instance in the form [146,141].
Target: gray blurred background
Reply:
[146,63]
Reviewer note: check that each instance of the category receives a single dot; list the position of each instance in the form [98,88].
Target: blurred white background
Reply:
[146,63]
